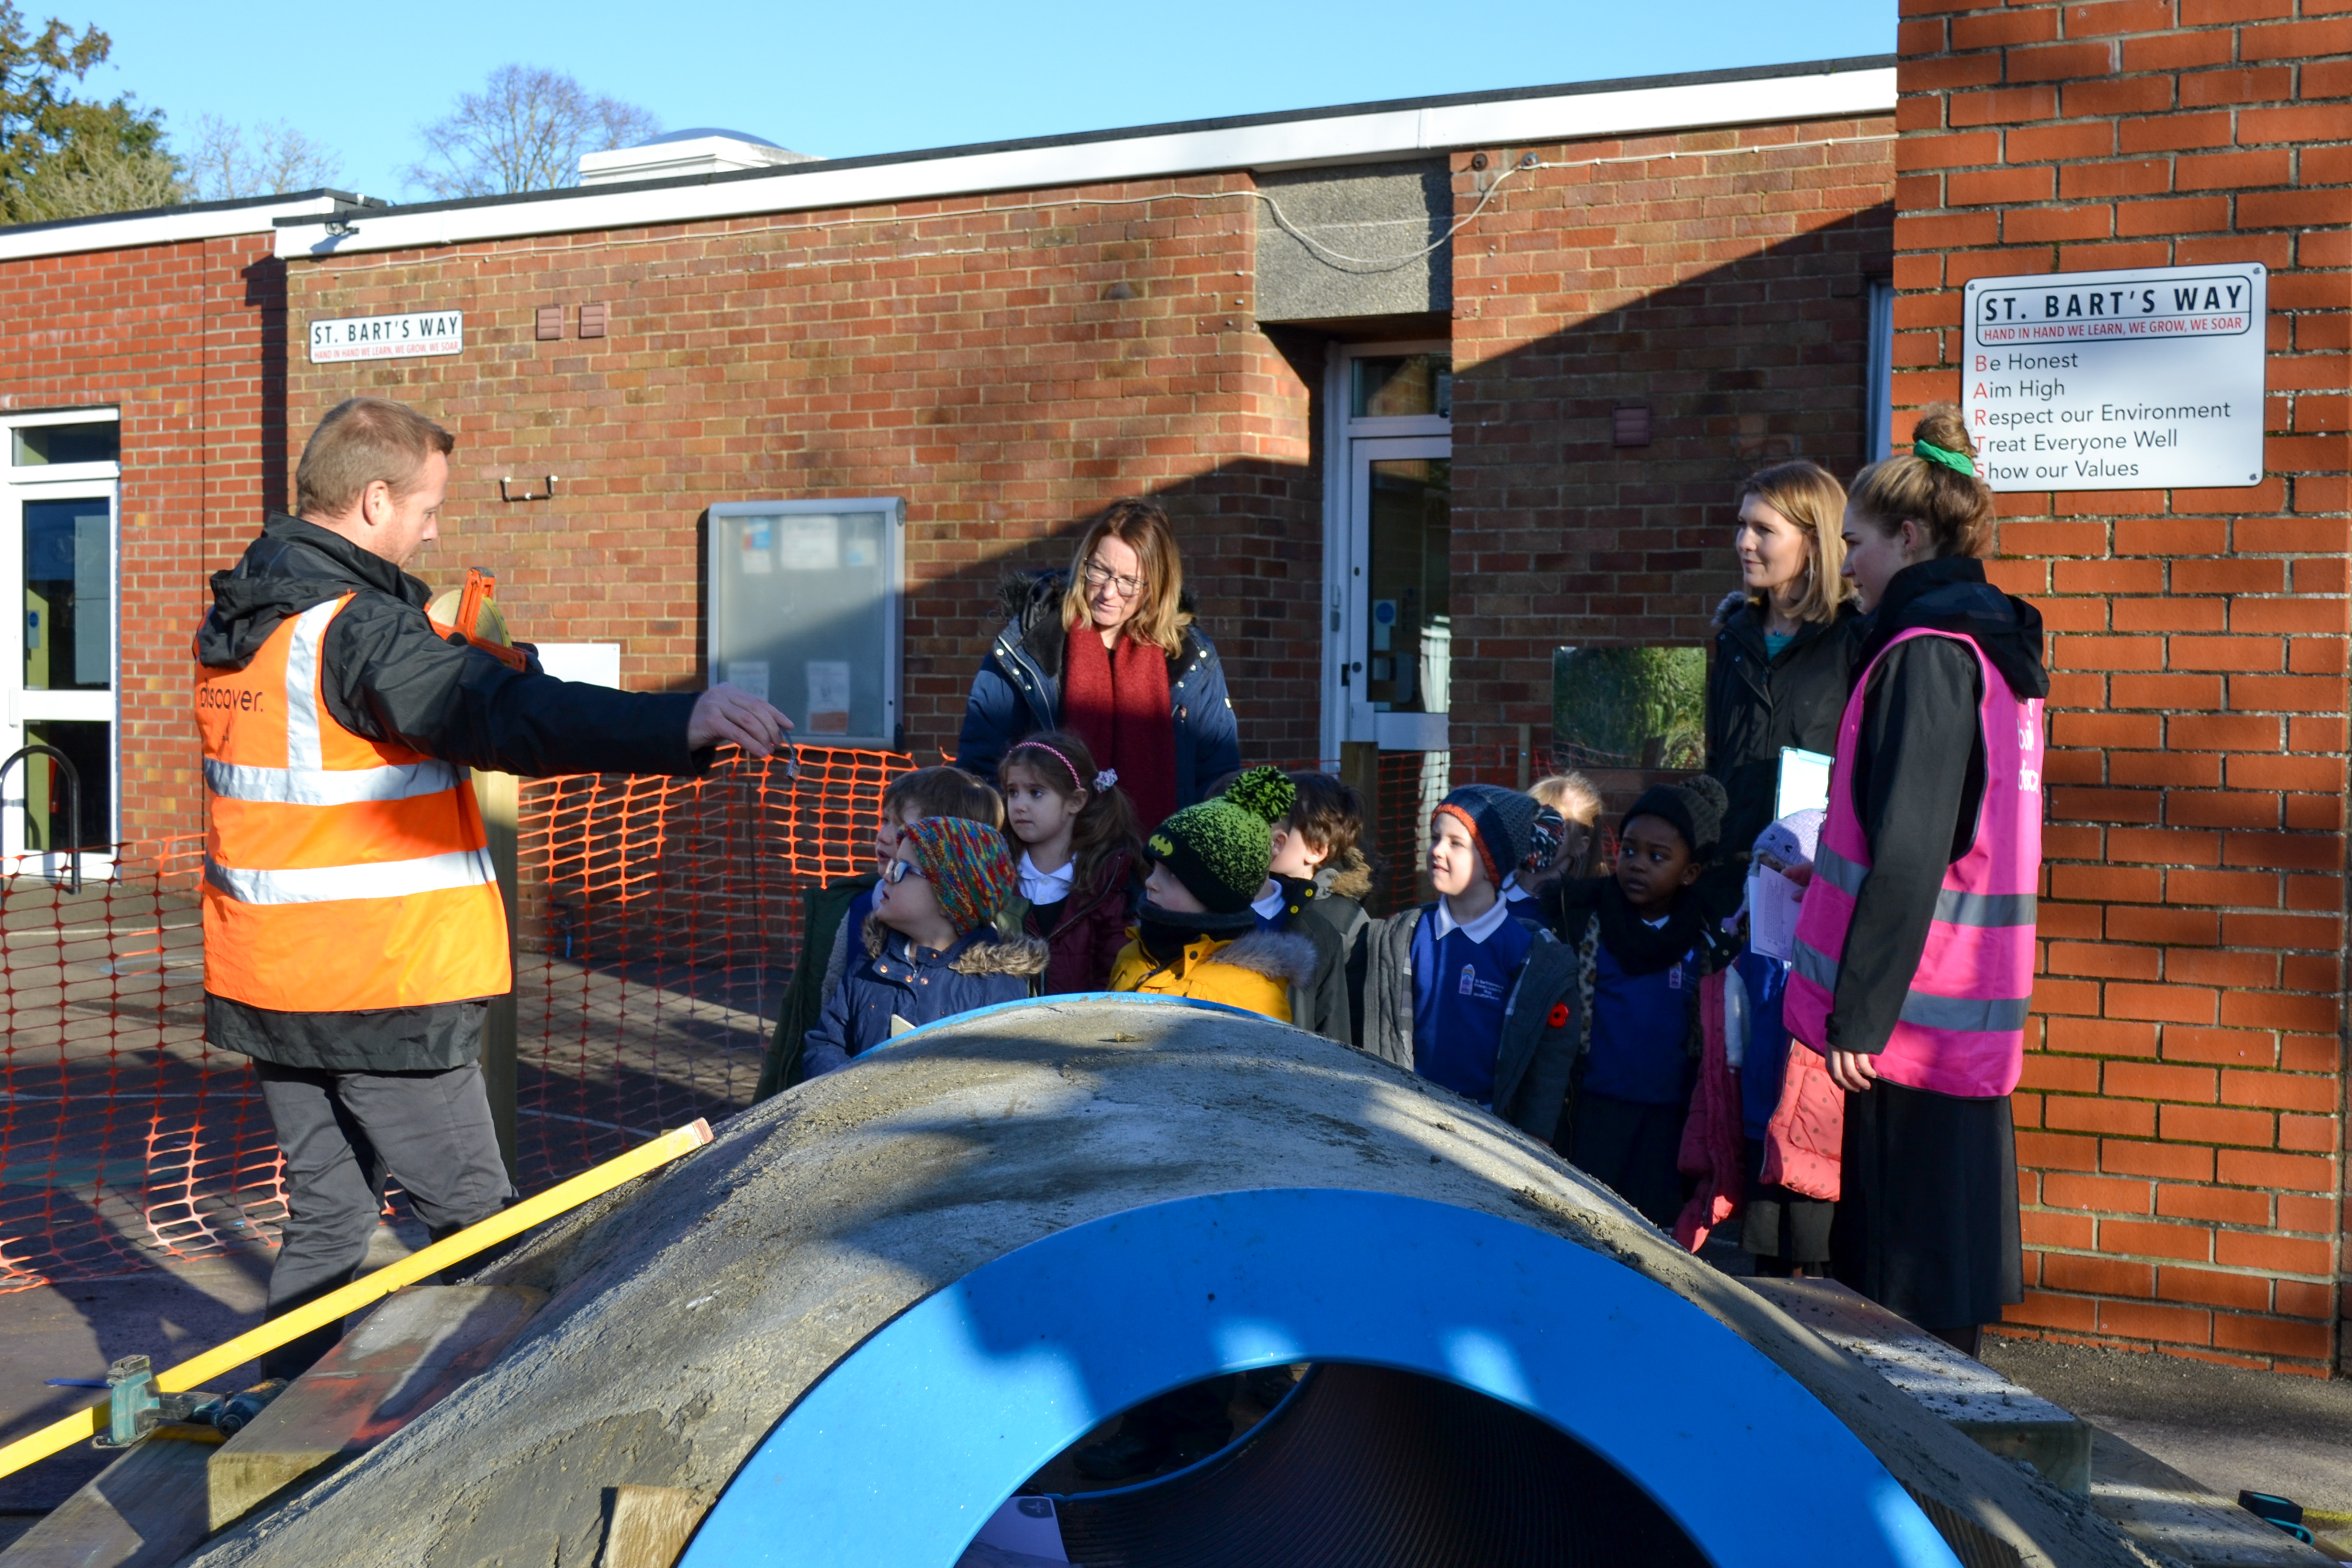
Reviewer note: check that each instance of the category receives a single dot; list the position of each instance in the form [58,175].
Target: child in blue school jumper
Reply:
[1787,1232]
[1463,992]
[1642,941]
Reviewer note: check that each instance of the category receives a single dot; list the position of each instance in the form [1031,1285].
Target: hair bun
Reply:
[1940,424]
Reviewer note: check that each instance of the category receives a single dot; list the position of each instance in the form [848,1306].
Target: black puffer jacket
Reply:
[1755,704]
[387,675]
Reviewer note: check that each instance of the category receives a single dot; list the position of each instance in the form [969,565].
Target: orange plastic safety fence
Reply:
[658,926]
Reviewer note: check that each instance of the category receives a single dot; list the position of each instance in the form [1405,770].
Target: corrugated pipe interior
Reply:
[877,1304]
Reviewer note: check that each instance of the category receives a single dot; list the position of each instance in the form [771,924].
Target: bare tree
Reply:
[231,162]
[524,131]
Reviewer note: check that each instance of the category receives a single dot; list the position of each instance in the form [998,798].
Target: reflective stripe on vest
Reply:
[1961,1030]
[340,873]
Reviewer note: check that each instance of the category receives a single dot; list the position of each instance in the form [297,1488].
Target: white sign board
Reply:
[388,337]
[2141,380]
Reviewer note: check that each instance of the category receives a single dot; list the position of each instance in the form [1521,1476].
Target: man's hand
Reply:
[1853,1071]
[727,714]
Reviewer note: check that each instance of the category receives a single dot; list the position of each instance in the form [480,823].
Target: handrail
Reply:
[73,797]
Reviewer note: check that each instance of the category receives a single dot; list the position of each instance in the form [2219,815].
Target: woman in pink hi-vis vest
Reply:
[1914,965]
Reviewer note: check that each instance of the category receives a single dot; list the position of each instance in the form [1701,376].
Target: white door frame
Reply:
[20,708]
[1348,451]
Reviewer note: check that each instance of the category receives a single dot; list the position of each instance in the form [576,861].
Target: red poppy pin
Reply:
[1559,1018]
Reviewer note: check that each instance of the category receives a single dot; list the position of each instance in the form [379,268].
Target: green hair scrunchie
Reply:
[1957,462]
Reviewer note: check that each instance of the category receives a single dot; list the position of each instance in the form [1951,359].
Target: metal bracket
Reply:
[546,495]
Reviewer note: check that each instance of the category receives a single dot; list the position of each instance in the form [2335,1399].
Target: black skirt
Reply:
[1926,1213]
[1785,1226]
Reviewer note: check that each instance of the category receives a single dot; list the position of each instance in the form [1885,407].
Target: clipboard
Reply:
[1804,781]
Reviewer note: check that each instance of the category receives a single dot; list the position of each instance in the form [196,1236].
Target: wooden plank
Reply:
[499,796]
[144,1510]
[651,1525]
[407,1355]
[2000,1415]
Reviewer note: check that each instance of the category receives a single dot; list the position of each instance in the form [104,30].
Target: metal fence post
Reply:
[500,798]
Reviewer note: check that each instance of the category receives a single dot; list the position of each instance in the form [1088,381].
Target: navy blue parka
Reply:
[1018,692]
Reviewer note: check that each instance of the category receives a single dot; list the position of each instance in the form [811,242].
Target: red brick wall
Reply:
[1007,365]
[2180,1113]
[1718,276]
[186,340]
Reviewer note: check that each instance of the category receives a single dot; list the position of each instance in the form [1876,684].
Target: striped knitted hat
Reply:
[968,868]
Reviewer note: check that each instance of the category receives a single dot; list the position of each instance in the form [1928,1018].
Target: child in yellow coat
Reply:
[1195,934]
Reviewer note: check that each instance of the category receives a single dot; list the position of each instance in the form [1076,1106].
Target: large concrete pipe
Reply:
[868,1312]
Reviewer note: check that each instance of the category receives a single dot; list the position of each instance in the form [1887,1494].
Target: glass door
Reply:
[57,532]
[1389,643]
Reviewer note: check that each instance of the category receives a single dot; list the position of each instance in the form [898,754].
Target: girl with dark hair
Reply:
[1080,851]
[1932,848]
[1108,650]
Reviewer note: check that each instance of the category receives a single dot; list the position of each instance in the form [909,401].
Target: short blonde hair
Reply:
[1158,618]
[361,441]
[1804,493]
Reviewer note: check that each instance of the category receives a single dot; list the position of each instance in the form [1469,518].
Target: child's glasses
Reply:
[896,872]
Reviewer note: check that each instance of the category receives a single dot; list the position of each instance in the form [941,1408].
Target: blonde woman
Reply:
[1108,650]
[1782,643]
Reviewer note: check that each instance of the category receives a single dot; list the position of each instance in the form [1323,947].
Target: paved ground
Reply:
[2225,1426]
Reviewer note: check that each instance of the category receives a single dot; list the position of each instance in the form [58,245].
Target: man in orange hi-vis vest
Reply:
[353,931]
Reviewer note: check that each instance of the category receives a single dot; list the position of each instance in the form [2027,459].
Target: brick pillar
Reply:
[2180,1119]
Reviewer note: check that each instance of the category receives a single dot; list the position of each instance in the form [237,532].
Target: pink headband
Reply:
[1067,766]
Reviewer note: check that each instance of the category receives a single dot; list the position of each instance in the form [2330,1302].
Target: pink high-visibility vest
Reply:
[1962,1026]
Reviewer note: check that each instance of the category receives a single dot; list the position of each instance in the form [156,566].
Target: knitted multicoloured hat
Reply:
[968,868]
[1221,849]
[1502,823]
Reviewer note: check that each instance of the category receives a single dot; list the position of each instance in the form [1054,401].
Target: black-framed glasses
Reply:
[1099,575]
[896,872]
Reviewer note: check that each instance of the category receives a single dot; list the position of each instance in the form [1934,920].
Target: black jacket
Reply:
[1018,692]
[388,676]
[1536,1055]
[1919,772]
[1755,704]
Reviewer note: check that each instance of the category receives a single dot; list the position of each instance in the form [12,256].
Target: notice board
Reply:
[803,610]
[2146,379]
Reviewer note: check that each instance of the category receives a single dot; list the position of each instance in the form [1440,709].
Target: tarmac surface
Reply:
[2229,1427]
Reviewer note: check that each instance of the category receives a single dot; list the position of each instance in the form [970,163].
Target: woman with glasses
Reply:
[1108,648]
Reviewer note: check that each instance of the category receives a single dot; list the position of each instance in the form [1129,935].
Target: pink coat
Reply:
[1712,1149]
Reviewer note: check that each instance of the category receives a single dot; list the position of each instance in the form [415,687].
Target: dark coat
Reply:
[1538,1051]
[388,676]
[823,911]
[1018,692]
[1339,903]
[1918,773]
[1756,705]
[921,984]
[1089,929]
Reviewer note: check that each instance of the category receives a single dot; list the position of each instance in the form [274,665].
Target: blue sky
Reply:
[847,78]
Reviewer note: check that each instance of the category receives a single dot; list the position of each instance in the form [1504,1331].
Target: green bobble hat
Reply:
[1221,849]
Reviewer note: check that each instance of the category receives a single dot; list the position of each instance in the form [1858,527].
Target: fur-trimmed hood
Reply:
[983,951]
[1347,876]
[1283,956]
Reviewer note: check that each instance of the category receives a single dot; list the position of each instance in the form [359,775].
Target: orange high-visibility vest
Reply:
[340,873]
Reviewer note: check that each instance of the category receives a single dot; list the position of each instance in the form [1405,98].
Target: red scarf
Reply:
[1117,700]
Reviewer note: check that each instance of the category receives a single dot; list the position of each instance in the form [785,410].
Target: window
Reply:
[59,495]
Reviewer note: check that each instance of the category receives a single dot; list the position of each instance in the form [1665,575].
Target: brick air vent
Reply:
[550,322]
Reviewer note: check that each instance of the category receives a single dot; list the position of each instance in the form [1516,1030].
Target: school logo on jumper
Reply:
[1674,979]
[1483,990]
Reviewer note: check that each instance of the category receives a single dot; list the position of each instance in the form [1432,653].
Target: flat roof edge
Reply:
[1346,135]
[166,225]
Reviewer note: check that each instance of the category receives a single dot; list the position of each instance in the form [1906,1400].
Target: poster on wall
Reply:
[2146,379]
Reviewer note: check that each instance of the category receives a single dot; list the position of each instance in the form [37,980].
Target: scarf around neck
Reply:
[1640,949]
[1117,700]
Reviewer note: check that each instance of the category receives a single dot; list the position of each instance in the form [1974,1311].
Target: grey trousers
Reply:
[343,1135]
